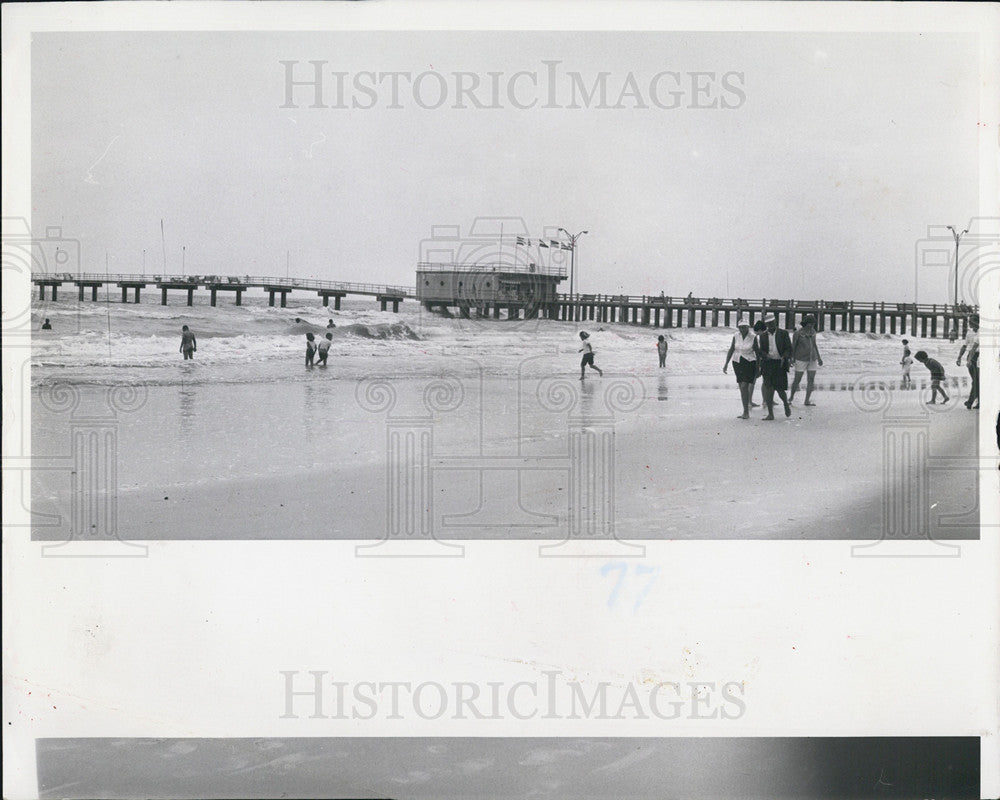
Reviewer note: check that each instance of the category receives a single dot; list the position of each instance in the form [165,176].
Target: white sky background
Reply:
[847,147]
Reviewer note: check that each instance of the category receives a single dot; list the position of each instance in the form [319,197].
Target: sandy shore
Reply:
[207,461]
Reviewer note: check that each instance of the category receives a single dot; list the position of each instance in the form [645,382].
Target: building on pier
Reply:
[478,285]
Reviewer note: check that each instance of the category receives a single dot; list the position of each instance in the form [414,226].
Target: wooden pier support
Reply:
[55,289]
[337,296]
[92,285]
[384,301]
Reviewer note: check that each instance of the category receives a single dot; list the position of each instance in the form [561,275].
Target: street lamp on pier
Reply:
[958,237]
[572,256]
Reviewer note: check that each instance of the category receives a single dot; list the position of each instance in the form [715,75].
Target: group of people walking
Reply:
[768,352]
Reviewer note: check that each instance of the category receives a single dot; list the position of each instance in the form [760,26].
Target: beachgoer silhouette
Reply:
[937,376]
[324,349]
[661,349]
[588,355]
[46,326]
[774,348]
[310,349]
[806,355]
[189,344]
[744,343]
[906,362]
[971,344]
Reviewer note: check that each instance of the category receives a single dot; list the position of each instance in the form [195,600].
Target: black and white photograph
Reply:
[522,399]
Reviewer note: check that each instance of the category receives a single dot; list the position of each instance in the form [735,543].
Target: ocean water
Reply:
[108,342]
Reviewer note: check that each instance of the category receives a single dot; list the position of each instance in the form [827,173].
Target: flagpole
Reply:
[500,257]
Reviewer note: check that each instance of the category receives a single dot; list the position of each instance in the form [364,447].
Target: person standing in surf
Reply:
[189,344]
[661,350]
[906,363]
[745,363]
[324,349]
[806,356]
[774,349]
[310,349]
[588,355]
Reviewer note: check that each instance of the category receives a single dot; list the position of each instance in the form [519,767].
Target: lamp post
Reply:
[183,260]
[958,237]
[572,256]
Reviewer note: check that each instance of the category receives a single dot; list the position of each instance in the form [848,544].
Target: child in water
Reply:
[661,349]
[310,349]
[906,363]
[324,349]
[588,355]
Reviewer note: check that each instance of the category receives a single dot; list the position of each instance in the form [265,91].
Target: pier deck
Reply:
[916,320]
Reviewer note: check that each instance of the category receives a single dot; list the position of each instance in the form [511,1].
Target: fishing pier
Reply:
[277,289]
[517,293]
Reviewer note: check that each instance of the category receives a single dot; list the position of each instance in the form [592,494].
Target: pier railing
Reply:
[380,289]
[208,281]
[921,319]
[735,304]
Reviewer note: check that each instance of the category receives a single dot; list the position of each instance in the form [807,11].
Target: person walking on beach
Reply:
[972,360]
[742,352]
[971,344]
[310,349]
[906,362]
[937,376]
[806,355]
[661,350]
[774,349]
[188,343]
[324,349]
[588,355]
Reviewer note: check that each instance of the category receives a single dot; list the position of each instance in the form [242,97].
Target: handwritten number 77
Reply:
[622,569]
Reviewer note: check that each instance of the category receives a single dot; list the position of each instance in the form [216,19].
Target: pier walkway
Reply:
[275,287]
[916,320]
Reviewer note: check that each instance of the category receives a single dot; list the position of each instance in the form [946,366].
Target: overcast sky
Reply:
[835,153]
